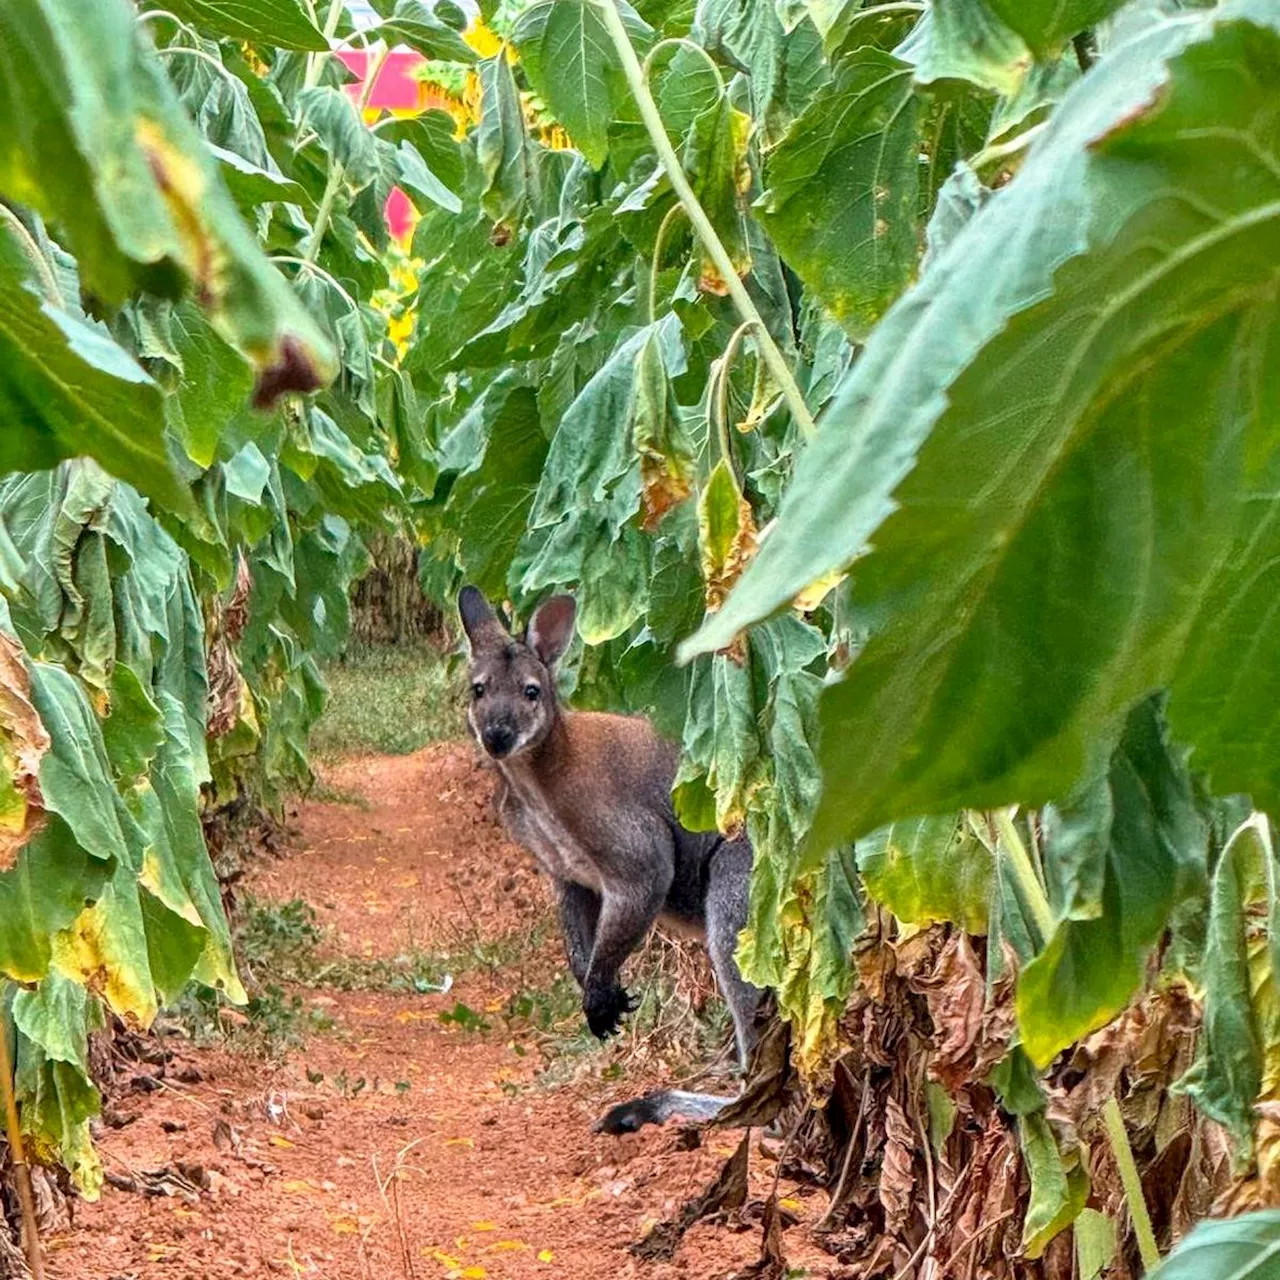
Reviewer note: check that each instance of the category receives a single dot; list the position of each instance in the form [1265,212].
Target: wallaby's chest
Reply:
[532,821]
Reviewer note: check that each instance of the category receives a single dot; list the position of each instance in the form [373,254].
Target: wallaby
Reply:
[589,795]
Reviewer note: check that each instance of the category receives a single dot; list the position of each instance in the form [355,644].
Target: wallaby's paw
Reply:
[605,1008]
[631,1115]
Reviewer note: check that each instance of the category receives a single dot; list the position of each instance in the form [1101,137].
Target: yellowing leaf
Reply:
[545,1255]
[816,592]
[279,1140]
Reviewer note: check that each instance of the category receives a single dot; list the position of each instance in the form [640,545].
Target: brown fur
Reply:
[589,794]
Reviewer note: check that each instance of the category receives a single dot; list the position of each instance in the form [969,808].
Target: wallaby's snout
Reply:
[498,739]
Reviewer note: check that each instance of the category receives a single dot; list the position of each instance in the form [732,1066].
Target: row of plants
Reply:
[890,382]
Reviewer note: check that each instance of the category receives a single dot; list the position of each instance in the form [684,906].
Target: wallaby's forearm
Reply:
[579,912]
[626,916]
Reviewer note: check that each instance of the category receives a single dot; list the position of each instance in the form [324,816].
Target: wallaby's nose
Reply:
[498,739]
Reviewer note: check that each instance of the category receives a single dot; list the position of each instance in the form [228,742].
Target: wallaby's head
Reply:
[513,696]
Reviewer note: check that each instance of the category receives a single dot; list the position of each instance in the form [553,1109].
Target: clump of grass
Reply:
[389,701]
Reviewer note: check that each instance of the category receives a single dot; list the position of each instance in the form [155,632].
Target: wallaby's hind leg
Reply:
[728,885]
[728,882]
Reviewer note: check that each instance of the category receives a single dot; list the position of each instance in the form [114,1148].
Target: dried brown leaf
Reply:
[897,1173]
[727,1191]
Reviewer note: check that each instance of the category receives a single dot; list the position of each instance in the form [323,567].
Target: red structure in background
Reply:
[394,90]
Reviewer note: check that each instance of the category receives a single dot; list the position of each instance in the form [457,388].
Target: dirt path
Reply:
[395,1144]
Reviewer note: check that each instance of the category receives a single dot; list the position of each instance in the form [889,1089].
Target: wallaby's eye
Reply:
[477,690]
[532,692]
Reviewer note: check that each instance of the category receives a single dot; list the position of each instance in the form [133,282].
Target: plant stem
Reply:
[316,61]
[697,216]
[682,42]
[337,172]
[1128,1167]
[719,400]
[659,243]
[21,1171]
[1025,873]
[325,211]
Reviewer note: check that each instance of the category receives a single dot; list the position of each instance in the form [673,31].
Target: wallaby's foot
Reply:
[658,1108]
[605,1008]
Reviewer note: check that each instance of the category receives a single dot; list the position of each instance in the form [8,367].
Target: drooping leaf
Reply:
[715,160]
[23,744]
[726,533]
[416,24]
[502,143]
[930,869]
[1121,856]
[1046,25]
[42,893]
[1238,1060]
[843,189]
[52,1077]
[967,40]
[67,389]
[491,504]
[280,24]
[1006,501]
[93,136]
[1059,1184]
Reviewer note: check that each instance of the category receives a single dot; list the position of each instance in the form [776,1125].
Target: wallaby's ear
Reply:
[479,620]
[552,628]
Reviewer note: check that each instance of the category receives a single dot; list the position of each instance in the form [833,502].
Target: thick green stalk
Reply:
[316,61]
[1025,873]
[1128,1167]
[698,217]
[337,173]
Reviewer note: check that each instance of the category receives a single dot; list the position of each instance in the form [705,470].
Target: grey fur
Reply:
[589,795]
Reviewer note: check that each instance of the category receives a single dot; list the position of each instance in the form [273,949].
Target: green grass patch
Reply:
[389,701]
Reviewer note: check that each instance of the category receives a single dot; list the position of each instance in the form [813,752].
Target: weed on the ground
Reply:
[388,701]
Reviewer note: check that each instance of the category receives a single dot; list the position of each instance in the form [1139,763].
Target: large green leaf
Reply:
[1120,857]
[577,57]
[52,1076]
[967,40]
[93,136]
[1244,1248]
[42,893]
[67,389]
[1046,25]
[992,679]
[930,869]
[491,504]
[281,24]
[416,24]
[843,189]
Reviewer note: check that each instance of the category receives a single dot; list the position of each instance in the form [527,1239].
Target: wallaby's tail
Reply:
[658,1108]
